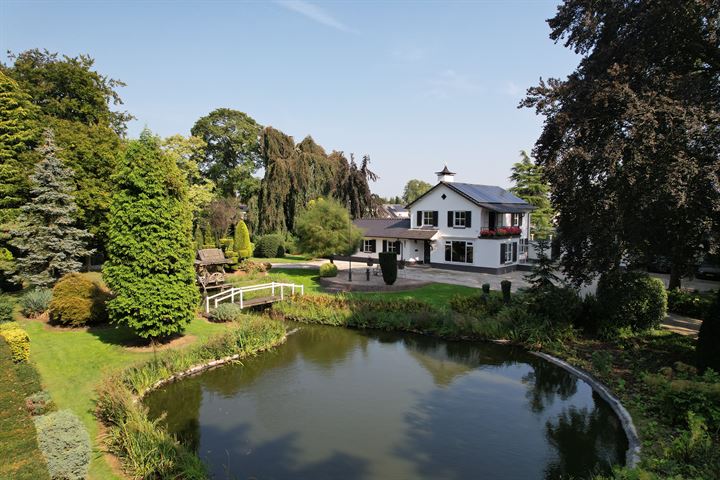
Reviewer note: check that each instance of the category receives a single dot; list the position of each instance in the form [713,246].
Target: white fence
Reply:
[239,293]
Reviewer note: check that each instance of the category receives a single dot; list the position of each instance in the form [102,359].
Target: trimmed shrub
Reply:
[388,266]
[270,246]
[242,244]
[227,243]
[708,346]
[6,309]
[226,312]
[505,286]
[631,299]
[486,288]
[65,444]
[78,301]
[39,403]
[36,302]
[328,270]
[18,341]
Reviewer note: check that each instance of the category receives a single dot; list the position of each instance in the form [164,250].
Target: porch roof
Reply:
[393,228]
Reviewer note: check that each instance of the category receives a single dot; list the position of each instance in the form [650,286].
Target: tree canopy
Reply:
[532,187]
[232,152]
[324,228]
[631,141]
[150,251]
[414,189]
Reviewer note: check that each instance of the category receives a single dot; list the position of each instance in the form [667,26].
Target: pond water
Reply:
[339,403]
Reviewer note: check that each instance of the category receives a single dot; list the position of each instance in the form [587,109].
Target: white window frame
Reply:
[367,246]
[390,245]
[513,217]
[427,218]
[468,246]
[508,252]
[459,219]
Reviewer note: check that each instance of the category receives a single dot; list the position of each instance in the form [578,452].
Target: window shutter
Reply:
[384,246]
[373,246]
[503,249]
[514,253]
[450,219]
[468,219]
[435,218]
[397,247]
[448,251]
[419,218]
[491,220]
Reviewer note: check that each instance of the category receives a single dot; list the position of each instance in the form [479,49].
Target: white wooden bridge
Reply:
[276,290]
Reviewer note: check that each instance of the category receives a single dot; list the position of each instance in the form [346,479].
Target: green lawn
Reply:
[72,362]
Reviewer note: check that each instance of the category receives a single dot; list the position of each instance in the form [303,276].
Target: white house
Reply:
[455,225]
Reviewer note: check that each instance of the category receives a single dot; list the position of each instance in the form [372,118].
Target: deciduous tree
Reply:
[631,141]
[325,229]
[49,243]
[232,154]
[188,153]
[150,253]
[414,189]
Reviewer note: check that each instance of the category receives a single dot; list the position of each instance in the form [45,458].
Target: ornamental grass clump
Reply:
[78,301]
[65,444]
[35,302]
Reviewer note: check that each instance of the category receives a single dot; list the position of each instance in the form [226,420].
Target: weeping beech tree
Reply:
[150,250]
[297,174]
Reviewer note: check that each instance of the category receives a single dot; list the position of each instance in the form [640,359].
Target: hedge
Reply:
[270,246]
[18,341]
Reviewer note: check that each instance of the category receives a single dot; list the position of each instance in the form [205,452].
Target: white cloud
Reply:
[450,82]
[315,13]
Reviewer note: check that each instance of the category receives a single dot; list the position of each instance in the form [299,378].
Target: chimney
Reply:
[445,175]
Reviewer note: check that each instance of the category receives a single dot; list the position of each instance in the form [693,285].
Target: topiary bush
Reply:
[243,247]
[505,286]
[388,266]
[486,288]
[6,309]
[630,299]
[78,301]
[226,312]
[65,444]
[270,246]
[328,270]
[708,346]
[35,302]
[18,341]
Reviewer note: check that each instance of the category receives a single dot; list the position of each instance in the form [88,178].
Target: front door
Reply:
[426,256]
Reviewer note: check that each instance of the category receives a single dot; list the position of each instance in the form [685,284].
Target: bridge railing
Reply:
[239,293]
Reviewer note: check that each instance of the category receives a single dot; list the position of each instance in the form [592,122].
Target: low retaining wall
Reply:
[632,456]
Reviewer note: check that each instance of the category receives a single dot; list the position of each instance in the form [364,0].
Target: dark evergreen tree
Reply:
[532,187]
[352,186]
[49,243]
[278,152]
[631,141]
[150,253]
[708,346]
[543,272]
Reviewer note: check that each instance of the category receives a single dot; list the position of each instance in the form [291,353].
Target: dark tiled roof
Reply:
[392,228]
[487,196]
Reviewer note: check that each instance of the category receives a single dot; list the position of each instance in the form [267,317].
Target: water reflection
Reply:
[337,403]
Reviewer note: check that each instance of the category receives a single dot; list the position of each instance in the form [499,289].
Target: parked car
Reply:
[708,270]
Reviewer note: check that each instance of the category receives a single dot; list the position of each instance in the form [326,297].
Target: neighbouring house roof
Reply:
[393,228]
[393,210]
[487,196]
[211,256]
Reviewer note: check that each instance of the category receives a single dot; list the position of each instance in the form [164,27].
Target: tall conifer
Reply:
[49,243]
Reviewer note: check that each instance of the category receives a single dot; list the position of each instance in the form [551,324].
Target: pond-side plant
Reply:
[226,312]
[35,302]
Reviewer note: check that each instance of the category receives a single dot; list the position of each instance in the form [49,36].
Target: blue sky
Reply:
[415,85]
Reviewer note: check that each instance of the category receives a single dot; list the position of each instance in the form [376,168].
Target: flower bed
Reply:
[500,232]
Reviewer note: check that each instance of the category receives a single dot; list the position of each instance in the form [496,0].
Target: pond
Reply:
[340,403]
